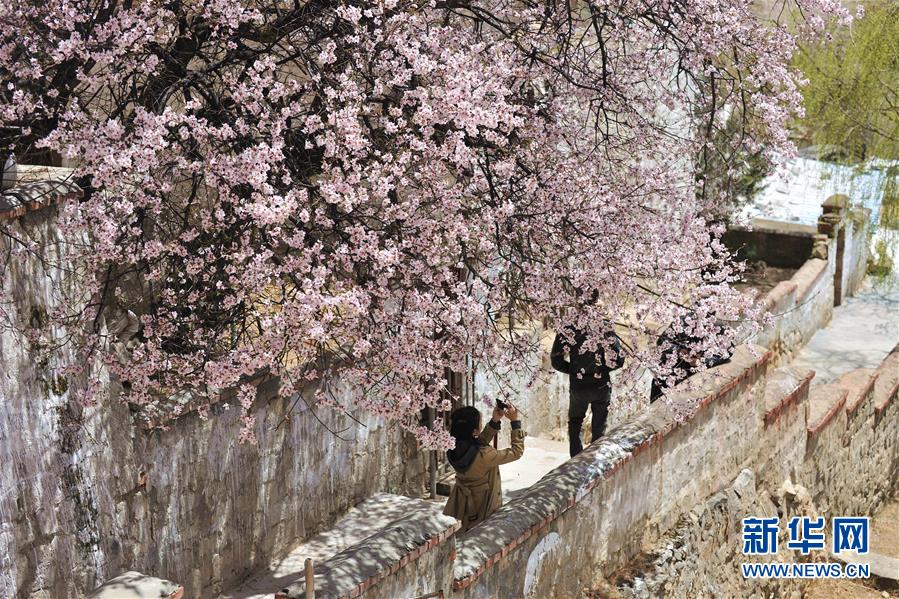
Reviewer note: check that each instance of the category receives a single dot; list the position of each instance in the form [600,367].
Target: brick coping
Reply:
[389,569]
[778,296]
[817,426]
[880,408]
[857,396]
[890,364]
[393,568]
[808,276]
[773,414]
[651,436]
[797,288]
[33,196]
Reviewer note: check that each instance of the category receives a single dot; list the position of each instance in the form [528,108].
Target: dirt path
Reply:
[885,541]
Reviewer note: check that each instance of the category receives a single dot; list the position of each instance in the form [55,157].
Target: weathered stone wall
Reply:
[835,269]
[87,494]
[798,308]
[75,508]
[699,557]
[858,233]
[847,463]
[782,440]
[847,230]
[852,453]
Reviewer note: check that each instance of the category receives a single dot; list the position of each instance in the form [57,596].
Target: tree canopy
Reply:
[373,191]
[852,94]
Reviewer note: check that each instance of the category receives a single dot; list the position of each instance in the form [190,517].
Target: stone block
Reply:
[829,224]
[835,204]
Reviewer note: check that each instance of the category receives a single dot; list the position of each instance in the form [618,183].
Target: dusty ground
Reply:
[763,278]
[844,589]
[885,530]
[885,541]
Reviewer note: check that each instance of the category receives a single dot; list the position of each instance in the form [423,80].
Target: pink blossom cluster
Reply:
[373,192]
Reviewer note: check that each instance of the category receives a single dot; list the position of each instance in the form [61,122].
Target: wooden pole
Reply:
[310,579]
[432,456]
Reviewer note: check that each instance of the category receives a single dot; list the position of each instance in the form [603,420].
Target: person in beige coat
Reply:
[477,492]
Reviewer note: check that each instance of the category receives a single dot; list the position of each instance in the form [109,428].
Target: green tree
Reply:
[852,98]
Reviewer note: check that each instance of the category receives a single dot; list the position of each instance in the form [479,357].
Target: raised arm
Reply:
[495,457]
[489,431]
[492,427]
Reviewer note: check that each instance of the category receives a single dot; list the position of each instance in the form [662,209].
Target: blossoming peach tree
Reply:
[373,191]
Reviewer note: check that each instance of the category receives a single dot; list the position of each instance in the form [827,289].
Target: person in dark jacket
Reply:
[677,348]
[477,492]
[589,382]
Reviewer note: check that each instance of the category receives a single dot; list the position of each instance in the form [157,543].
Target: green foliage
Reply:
[889,207]
[852,98]
[880,263]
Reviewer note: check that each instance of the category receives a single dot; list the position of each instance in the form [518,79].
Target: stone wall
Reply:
[857,248]
[798,308]
[835,268]
[826,450]
[86,493]
[406,558]
[851,464]
[783,245]
[653,508]
[663,484]
[848,237]
[699,557]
